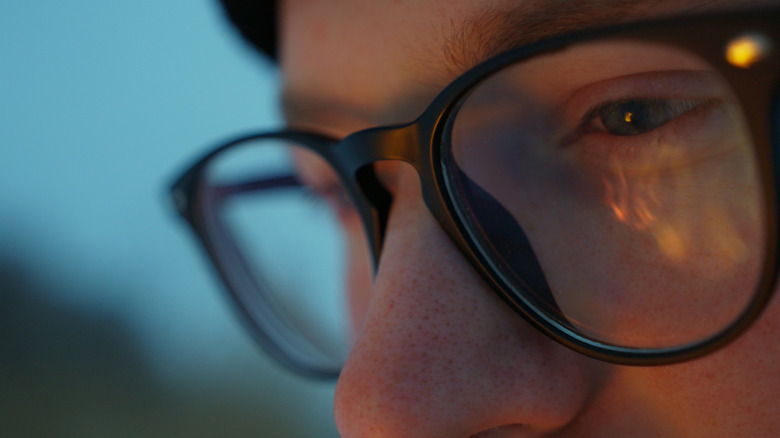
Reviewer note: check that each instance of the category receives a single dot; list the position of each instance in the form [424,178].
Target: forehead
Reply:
[359,58]
[351,64]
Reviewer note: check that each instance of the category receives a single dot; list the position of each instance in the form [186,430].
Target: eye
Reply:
[636,116]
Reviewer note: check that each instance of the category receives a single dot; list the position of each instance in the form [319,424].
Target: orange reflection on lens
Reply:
[745,51]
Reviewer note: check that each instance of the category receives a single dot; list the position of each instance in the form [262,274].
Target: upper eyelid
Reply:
[666,83]
[674,84]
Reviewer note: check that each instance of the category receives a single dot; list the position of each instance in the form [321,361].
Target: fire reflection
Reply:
[689,208]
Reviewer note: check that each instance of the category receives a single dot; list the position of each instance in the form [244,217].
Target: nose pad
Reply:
[373,201]
[514,255]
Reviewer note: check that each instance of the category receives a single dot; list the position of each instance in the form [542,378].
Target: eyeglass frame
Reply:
[419,143]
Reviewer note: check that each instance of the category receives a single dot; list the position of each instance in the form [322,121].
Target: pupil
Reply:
[632,117]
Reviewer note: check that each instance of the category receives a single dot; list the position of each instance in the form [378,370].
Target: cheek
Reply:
[622,286]
[652,263]
[732,392]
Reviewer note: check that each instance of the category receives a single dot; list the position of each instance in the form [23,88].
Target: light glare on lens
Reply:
[746,50]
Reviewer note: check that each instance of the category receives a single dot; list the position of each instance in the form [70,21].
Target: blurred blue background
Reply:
[111,322]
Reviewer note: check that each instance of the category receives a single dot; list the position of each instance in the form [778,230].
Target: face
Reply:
[437,353]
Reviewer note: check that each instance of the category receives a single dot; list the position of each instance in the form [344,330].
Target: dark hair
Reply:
[256,21]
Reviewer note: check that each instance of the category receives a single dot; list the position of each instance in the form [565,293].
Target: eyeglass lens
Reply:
[286,231]
[631,171]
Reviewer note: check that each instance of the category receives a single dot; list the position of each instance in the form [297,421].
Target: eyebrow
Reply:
[496,30]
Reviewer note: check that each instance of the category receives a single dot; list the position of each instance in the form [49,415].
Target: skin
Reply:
[437,353]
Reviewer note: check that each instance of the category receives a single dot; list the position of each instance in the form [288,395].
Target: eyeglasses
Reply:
[617,188]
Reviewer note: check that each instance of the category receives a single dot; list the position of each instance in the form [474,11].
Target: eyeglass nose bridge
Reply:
[357,153]
[393,143]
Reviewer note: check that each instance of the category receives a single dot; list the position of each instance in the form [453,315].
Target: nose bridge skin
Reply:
[440,355]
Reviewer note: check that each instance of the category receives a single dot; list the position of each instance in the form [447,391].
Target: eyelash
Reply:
[591,131]
[633,115]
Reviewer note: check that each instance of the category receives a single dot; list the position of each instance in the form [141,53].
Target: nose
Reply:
[440,355]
